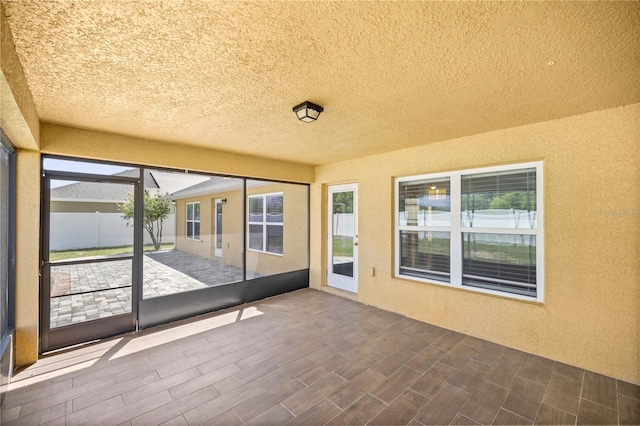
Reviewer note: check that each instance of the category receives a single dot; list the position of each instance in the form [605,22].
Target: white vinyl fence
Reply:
[70,231]
[516,219]
[343,225]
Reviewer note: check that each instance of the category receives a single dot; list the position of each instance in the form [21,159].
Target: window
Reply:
[265,223]
[193,221]
[479,229]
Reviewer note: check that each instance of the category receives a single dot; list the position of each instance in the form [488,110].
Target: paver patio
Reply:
[102,289]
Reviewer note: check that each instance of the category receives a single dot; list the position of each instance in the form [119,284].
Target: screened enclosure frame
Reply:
[161,309]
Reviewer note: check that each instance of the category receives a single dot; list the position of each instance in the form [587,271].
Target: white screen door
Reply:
[342,245]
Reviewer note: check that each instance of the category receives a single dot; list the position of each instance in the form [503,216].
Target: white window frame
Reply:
[264,222]
[191,221]
[456,229]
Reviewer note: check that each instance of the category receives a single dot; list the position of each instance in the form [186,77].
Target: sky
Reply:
[79,167]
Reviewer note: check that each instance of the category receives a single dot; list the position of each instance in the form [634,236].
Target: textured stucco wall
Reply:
[76,142]
[27,250]
[18,116]
[591,313]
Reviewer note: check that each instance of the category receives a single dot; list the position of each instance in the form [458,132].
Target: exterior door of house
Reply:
[342,262]
[218,228]
[89,262]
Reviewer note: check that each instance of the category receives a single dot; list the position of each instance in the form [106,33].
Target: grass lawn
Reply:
[343,246]
[99,252]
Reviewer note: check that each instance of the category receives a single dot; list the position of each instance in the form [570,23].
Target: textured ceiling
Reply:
[225,74]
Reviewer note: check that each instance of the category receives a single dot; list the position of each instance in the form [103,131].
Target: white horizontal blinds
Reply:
[505,199]
[425,254]
[424,220]
[425,203]
[493,206]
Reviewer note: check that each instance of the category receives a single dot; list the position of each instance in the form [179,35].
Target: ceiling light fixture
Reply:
[308,111]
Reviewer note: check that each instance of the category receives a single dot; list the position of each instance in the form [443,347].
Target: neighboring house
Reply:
[209,224]
[90,206]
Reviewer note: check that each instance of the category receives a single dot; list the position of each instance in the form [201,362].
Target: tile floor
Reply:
[310,358]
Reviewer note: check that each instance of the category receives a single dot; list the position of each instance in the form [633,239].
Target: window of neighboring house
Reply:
[478,229]
[193,221]
[265,223]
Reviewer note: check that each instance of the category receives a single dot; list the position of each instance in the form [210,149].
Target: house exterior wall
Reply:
[83,207]
[295,245]
[295,230]
[591,311]
[231,226]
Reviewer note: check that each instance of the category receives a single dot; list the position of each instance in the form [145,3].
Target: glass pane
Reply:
[274,208]
[256,209]
[196,212]
[500,200]
[274,239]
[205,251]
[89,291]
[500,262]
[343,202]
[425,202]
[286,246]
[196,230]
[256,237]
[425,255]
[190,211]
[90,219]
[343,233]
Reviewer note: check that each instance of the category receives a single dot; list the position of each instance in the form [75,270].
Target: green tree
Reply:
[519,200]
[156,210]
[343,202]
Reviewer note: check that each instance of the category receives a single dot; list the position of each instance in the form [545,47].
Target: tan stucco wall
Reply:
[18,116]
[27,255]
[75,142]
[591,314]
[295,230]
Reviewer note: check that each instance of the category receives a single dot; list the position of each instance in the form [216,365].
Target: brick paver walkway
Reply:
[102,289]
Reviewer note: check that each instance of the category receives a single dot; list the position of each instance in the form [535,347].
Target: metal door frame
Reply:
[103,327]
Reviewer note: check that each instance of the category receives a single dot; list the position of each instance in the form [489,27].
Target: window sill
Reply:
[266,252]
[501,295]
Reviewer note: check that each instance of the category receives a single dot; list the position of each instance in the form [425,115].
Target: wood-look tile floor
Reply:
[310,358]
